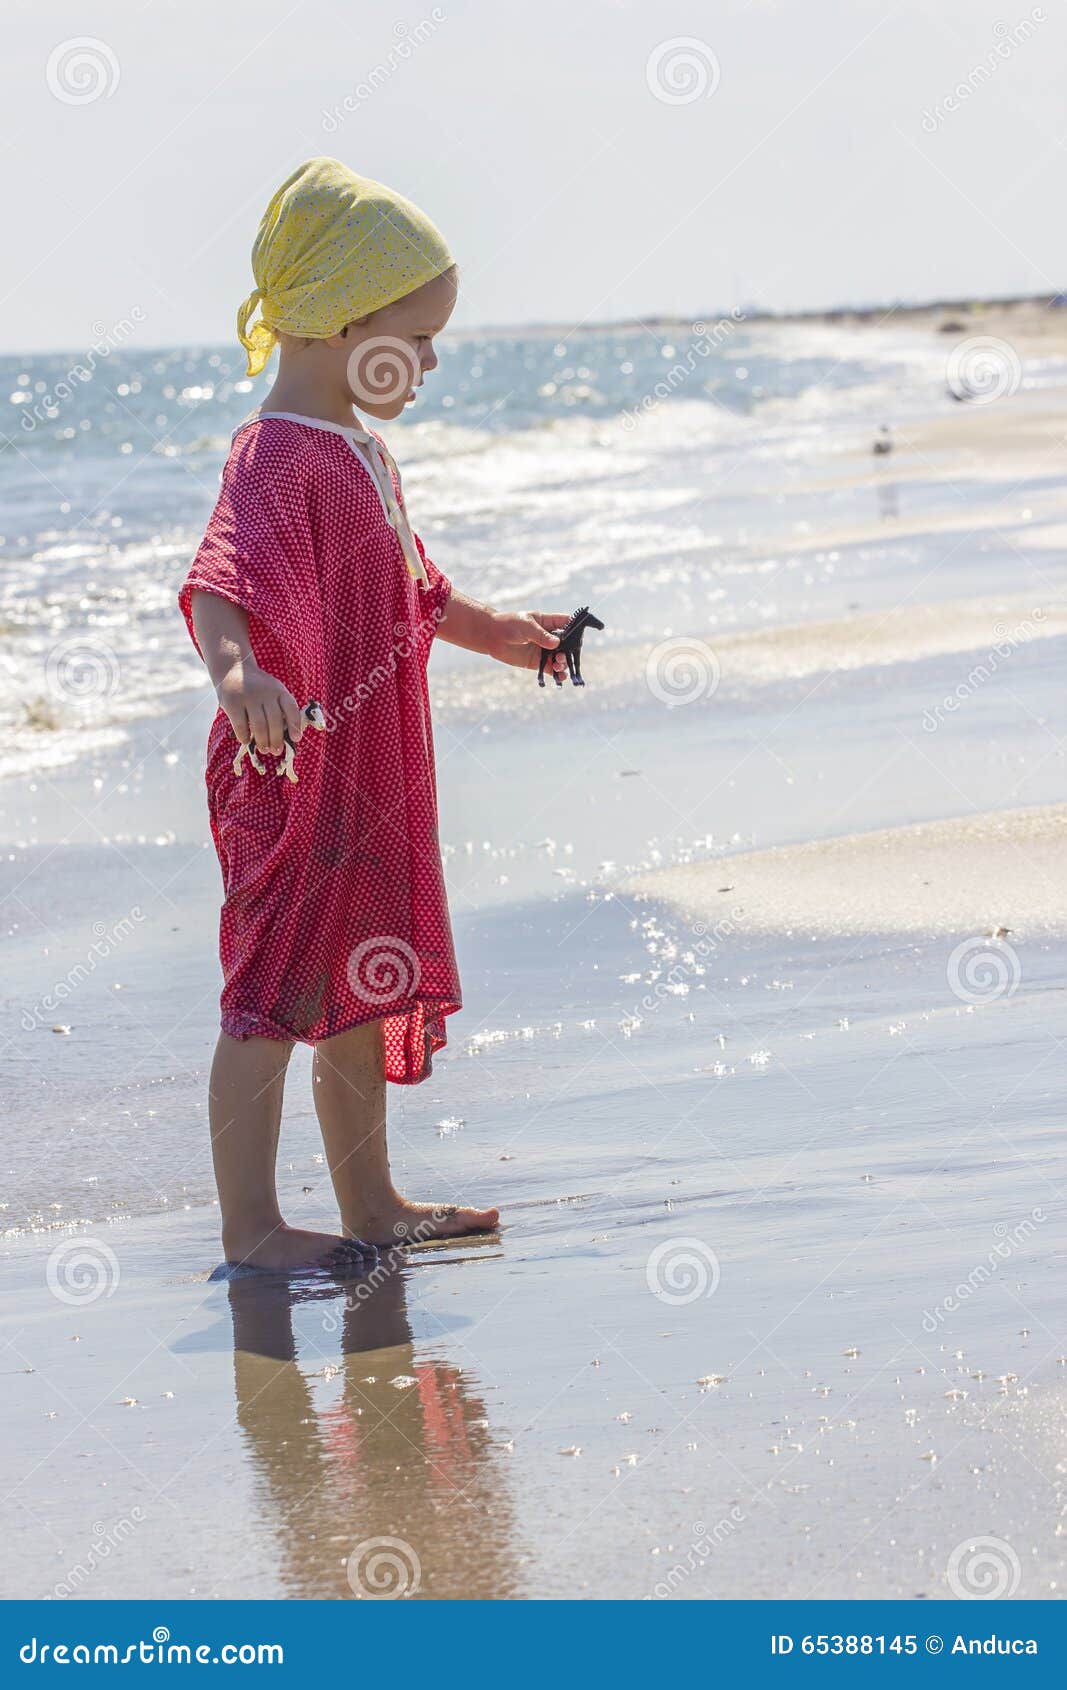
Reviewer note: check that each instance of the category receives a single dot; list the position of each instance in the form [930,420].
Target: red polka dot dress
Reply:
[335,911]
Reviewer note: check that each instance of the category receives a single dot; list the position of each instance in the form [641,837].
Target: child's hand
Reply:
[259,707]
[520,640]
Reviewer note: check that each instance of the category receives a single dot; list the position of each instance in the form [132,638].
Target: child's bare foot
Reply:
[401,1222]
[287,1249]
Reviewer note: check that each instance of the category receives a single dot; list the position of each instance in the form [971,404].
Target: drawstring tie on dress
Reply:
[383,467]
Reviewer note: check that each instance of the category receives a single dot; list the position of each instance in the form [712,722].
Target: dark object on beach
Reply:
[570,644]
[315,719]
[883,445]
[952,327]
[350,1257]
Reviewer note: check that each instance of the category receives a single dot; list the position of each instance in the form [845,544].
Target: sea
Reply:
[647,469]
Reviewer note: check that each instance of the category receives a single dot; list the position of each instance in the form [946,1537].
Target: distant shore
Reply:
[1039,317]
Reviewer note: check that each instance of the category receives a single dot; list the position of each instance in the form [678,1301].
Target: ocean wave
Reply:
[628,485]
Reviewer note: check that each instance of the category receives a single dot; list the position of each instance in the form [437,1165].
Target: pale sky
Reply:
[804,156]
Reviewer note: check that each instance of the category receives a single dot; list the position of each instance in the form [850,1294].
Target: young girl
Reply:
[309,586]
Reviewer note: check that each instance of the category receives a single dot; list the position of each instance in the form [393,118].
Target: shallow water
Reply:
[110,932]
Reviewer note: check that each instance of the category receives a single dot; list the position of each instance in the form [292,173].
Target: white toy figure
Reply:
[315,719]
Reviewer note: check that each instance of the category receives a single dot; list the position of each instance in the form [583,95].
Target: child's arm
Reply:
[258,706]
[517,639]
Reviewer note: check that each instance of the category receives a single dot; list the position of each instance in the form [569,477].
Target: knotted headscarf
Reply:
[332,247]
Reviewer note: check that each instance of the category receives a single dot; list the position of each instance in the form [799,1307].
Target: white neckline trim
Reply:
[294,416]
[350,435]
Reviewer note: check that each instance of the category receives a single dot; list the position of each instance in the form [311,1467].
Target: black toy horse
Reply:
[570,644]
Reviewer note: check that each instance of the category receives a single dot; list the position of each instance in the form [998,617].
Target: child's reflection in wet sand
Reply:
[403,1451]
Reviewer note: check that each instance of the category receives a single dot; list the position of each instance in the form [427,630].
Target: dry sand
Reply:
[968,876]
[1031,427]
[1033,328]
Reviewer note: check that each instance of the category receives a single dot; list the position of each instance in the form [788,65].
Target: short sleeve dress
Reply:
[335,911]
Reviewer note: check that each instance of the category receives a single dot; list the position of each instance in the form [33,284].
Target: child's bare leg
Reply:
[247,1081]
[350,1102]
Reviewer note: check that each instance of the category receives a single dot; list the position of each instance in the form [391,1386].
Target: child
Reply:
[310,585]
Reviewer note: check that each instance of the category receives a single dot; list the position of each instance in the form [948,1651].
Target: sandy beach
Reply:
[763,940]
[945,877]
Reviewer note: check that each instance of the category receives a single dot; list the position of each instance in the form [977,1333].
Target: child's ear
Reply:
[341,337]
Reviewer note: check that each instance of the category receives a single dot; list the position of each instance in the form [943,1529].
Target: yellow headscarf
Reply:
[333,246]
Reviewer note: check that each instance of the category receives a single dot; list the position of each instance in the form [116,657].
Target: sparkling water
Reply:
[640,469]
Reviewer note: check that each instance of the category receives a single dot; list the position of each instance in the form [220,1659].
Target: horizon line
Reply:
[737,313]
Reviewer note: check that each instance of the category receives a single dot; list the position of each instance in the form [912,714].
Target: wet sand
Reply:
[683,667]
[812,1281]
[776,1308]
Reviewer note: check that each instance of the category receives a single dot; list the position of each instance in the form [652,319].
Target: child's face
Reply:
[389,353]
